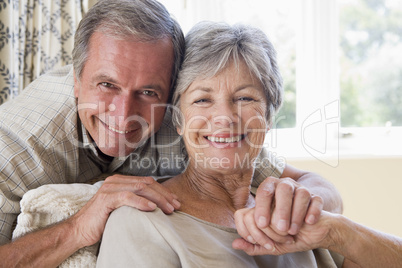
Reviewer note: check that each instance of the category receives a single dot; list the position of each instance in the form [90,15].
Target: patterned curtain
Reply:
[35,36]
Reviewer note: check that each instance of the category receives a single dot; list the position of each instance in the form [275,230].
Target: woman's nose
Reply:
[226,114]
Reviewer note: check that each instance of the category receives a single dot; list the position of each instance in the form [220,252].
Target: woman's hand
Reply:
[267,241]
[282,208]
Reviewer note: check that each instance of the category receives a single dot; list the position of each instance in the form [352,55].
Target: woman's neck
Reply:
[212,197]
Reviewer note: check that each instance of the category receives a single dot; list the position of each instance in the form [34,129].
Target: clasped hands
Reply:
[283,207]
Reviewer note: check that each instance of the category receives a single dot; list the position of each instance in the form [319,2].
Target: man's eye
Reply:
[149,93]
[106,84]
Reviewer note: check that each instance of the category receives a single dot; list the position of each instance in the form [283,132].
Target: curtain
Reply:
[35,37]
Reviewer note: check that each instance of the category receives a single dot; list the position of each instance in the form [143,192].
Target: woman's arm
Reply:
[364,246]
[360,245]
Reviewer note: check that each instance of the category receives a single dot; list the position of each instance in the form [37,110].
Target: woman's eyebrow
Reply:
[248,86]
[205,89]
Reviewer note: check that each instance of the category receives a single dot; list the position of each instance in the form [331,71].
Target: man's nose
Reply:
[125,110]
[125,106]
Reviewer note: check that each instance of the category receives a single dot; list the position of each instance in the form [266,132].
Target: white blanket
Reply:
[53,203]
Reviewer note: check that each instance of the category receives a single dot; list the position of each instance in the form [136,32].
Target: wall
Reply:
[371,189]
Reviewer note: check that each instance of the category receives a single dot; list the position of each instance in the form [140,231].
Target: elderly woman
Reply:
[227,92]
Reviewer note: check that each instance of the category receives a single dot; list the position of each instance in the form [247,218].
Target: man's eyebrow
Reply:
[104,78]
[154,87]
[110,79]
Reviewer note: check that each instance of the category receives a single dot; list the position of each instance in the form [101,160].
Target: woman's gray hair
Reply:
[140,20]
[211,46]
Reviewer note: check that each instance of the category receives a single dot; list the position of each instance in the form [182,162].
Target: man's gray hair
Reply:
[211,46]
[140,20]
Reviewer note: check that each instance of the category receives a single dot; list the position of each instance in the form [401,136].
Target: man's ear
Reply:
[76,85]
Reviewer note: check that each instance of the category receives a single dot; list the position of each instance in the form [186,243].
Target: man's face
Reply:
[123,90]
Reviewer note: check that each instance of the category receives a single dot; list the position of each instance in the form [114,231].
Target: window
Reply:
[341,62]
[371,63]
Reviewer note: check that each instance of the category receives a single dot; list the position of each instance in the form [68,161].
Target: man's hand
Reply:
[290,203]
[282,207]
[54,244]
[142,193]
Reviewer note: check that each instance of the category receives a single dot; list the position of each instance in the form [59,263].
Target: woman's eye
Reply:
[201,101]
[245,99]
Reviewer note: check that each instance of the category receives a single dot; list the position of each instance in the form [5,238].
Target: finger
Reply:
[314,210]
[139,189]
[264,199]
[128,198]
[283,206]
[249,248]
[301,203]
[241,227]
[154,194]
[166,193]
[256,235]
[248,230]
[124,179]
[138,185]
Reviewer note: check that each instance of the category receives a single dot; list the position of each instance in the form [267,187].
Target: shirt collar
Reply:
[89,146]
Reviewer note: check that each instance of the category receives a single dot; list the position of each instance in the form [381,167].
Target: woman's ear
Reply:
[179,131]
[268,127]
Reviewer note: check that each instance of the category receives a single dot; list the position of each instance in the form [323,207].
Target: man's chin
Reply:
[110,153]
[122,151]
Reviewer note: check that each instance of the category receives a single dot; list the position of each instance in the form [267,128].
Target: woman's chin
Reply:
[224,161]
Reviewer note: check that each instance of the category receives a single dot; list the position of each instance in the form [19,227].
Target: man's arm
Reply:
[317,185]
[44,248]
[50,246]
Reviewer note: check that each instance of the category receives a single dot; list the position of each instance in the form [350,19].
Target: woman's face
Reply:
[224,119]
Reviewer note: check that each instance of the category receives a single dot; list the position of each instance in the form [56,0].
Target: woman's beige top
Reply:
[152,239]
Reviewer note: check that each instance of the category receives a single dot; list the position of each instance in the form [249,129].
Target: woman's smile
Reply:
[225,140]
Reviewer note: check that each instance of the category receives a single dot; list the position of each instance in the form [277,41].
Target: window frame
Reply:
[318,133]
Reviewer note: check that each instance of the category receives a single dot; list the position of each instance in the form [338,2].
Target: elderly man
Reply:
[108,114]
